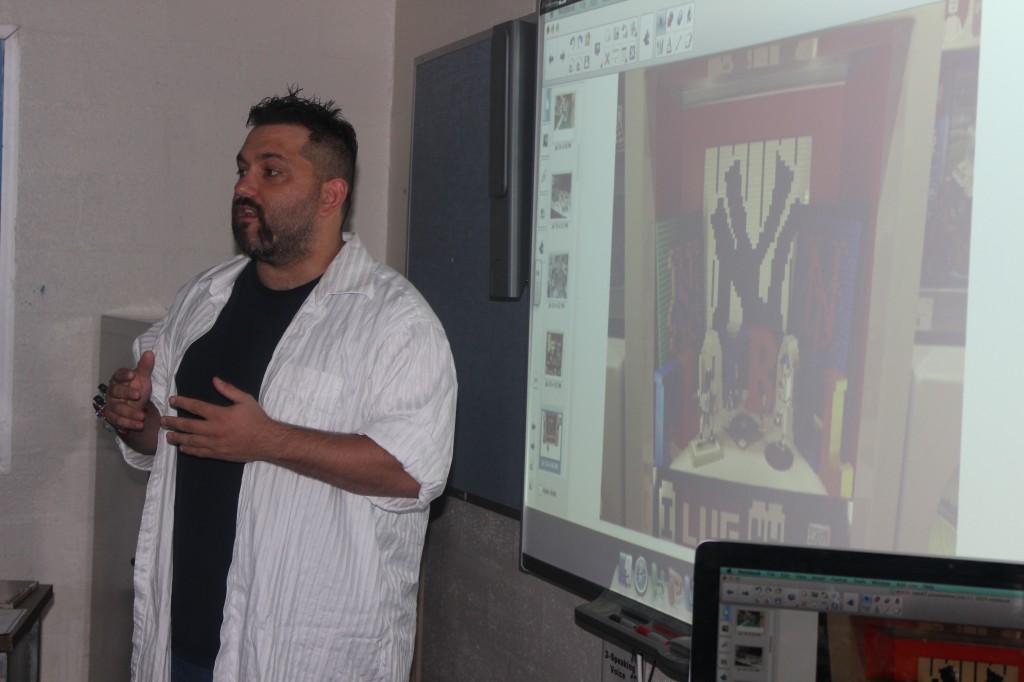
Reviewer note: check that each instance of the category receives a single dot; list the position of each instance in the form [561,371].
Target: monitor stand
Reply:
[639,629]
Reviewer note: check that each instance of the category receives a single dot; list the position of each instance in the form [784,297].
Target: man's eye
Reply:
[240,173]
[272,172]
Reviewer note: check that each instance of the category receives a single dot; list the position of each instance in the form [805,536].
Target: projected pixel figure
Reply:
[750,192]
[751,381]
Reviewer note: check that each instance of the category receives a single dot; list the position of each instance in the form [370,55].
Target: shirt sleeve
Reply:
[147,341]
[158,339]
[411,413]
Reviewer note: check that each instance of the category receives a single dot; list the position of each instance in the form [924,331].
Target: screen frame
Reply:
[874,522]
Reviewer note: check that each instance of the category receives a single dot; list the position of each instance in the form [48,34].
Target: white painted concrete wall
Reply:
[131,114]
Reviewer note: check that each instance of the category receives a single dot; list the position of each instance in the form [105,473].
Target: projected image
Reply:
[565,111]
[775,293]
[553,364]
[561,196]
[551,442]
[764,215]
[558,275]
[745,246]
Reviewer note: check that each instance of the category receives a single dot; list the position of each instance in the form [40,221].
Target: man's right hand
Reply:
[128,406]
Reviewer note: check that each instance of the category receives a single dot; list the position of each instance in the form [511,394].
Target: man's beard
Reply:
[286,237]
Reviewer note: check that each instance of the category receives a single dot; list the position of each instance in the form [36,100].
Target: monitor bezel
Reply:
[712,556]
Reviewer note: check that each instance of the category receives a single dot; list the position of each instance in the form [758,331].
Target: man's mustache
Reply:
[263,230]
[246,201]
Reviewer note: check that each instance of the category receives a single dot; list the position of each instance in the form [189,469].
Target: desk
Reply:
[19,649]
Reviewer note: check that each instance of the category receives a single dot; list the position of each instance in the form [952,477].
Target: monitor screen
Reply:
[751,258]
[816,614]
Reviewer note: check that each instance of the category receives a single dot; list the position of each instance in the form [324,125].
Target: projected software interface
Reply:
[737,207]
[803,627]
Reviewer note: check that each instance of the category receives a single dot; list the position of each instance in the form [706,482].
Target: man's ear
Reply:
[332,195]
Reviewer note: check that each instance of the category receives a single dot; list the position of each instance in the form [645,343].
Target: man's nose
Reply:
[244,186]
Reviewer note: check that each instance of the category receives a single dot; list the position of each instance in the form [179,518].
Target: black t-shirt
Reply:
[237,349]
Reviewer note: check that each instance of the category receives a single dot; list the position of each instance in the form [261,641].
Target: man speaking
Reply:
[296,410]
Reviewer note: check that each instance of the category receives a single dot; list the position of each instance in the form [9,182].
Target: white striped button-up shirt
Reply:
[322,584]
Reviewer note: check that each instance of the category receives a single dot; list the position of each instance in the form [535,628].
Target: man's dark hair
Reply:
[332,143]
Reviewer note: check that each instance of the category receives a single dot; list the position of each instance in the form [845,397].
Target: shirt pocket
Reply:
[306,397]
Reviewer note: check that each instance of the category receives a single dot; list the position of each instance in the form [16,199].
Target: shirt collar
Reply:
[351,272]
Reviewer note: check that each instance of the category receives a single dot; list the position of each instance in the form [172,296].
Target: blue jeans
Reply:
[183,671]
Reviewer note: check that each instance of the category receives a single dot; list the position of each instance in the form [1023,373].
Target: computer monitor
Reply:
[799,614]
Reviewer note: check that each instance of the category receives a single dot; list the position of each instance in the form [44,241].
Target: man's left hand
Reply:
[239,432]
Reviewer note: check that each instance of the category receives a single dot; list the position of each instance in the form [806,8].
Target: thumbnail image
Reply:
[558,275]
[749,620]
[565,111]
[553,354]
[749,658]
[561,195]
[551,442]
